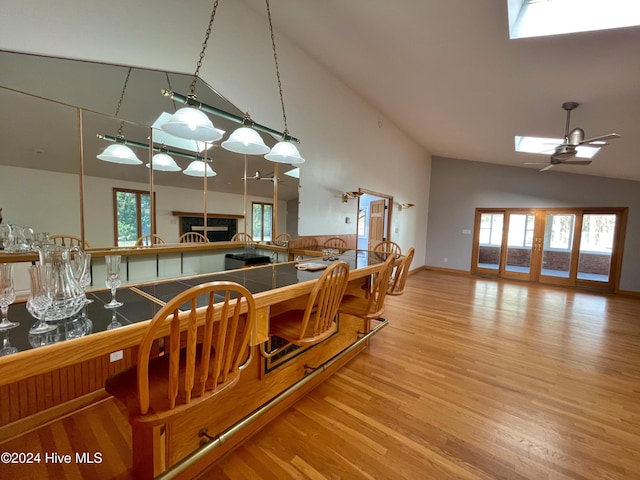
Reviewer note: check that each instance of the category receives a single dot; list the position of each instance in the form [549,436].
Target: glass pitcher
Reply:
[67,294]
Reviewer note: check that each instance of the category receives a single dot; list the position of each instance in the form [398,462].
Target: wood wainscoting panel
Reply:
[35,395]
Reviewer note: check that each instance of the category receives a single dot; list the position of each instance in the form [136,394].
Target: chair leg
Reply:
[149,450]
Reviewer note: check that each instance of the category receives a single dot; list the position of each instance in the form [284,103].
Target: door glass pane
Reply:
[490,240]
[519,242]
[596,244]
[558,240]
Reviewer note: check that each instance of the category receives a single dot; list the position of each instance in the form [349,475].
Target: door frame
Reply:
[387,217]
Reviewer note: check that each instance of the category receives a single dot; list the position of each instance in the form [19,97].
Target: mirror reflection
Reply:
[57,111]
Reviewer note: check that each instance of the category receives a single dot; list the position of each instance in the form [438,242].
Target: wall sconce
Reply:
[346,196]
[404,206]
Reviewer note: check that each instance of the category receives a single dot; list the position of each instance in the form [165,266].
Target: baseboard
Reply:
[446,270]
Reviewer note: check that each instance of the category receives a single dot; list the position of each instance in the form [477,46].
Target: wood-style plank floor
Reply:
[474,378]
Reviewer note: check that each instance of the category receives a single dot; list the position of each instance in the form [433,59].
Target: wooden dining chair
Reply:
[170,395]
[335,242]
[69,241]
[148,239]
[193,237]
[370,307]
[242,237]
[399,275]
[387,246]
[283,237]
[317,321]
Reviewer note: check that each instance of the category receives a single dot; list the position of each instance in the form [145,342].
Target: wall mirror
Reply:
[53,109]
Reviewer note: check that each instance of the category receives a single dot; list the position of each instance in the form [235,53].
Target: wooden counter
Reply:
[36,379]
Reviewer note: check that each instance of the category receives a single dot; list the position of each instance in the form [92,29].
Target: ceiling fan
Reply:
[564,153]
[259,176]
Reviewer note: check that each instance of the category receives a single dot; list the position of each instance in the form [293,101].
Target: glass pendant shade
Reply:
[119,153]
[192,124]
[164,163]
[284,152]
[245,140]
[197,168]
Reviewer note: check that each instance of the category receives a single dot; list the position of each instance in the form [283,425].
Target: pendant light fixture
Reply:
[189,122]
[198,168]
[162,162]
[245,140]
[284,151]
[120,152]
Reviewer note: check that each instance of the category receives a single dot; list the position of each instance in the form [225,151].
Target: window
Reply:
[534,18]
[491,228]
[132,209]
[262,221]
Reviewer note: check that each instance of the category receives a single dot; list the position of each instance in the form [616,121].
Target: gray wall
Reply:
[458,187]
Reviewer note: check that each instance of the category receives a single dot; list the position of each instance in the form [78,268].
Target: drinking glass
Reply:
[113,279]
[7,295]
[114,321]
[7,349]
[83,269]
[40,298]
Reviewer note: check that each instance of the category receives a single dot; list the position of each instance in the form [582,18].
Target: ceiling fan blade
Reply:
[535,163]
[576,162]
[548,167]
[601,138]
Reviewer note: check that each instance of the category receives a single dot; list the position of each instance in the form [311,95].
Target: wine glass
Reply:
[114,320]
[113,279]
[84,274]
[7,349]
[7,295]
[40,298]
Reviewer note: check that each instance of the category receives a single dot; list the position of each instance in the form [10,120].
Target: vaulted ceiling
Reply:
[447,73]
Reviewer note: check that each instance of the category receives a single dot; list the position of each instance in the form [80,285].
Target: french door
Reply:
[572,247]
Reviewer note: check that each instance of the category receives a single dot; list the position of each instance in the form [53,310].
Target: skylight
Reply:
[534,18]
[546,146]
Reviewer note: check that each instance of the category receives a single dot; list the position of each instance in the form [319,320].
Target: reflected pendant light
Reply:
[121,154]
[245,140]
[197,168]
[164,163]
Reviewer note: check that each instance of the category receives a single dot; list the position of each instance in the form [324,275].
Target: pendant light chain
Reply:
[124,89]
[275,59]
[192,88]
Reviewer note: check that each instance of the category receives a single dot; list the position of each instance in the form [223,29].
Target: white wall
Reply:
[347,143]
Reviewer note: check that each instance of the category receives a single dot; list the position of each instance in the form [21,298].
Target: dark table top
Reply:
[138,307]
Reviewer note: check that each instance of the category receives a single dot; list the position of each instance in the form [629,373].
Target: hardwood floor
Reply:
[474,378]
